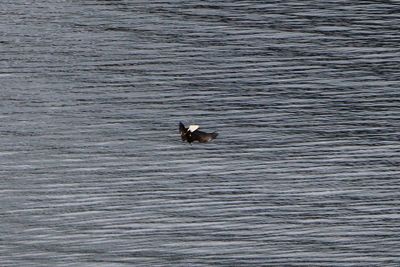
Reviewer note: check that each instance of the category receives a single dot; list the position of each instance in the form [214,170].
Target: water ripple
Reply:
[304,96]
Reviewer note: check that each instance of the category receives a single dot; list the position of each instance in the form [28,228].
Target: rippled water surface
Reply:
[305,96]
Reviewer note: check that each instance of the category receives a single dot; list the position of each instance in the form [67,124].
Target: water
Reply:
[305,97]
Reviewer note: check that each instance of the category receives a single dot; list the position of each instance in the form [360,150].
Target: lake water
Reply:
[305,96]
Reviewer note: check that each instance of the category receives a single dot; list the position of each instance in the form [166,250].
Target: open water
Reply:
[305,96]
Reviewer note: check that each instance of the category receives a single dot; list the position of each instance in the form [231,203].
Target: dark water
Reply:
[304,94]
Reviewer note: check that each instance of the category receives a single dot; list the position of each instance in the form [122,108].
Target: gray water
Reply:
[305,96]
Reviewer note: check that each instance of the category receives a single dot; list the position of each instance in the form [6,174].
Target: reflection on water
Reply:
[304,97]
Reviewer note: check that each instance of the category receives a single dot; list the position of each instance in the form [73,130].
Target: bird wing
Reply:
[193,128]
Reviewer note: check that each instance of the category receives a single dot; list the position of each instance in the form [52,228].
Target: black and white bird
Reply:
[192,134]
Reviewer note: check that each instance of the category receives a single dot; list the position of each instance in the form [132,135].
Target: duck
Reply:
[191,134]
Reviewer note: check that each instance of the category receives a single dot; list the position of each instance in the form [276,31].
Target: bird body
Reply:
[192,134]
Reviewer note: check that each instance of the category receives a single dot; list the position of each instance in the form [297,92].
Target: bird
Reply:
[192,134]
